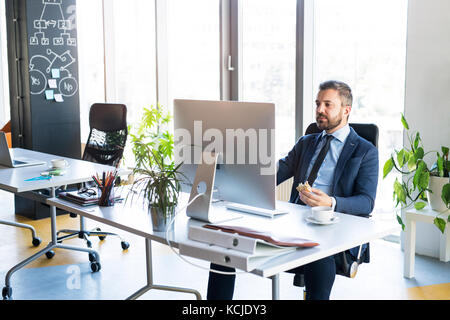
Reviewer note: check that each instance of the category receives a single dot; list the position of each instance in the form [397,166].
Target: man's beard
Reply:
[329,124]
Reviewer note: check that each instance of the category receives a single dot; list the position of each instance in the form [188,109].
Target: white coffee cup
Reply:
[59,163]
[322,214]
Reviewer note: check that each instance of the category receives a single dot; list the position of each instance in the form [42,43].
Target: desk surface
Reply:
[13,179]
[349,232]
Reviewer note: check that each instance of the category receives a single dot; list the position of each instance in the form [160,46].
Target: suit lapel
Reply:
[304,163]
[347,151]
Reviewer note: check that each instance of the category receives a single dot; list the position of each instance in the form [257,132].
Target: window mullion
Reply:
[305,58]
[225,49]
[236,83]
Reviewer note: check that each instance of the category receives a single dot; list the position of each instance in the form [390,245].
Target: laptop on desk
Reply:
[7,160]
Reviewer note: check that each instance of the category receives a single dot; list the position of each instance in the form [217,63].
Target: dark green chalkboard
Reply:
[47,117]
[42,43]
[52,50]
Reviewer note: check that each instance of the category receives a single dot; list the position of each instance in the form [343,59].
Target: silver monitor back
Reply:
[244,134]
[5,154]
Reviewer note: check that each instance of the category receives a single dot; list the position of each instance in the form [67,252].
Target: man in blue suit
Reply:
[342,169]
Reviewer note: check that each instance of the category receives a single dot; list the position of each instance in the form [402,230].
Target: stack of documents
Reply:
[237,247]
[82,199]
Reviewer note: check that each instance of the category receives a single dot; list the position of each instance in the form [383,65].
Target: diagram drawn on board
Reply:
[53,33]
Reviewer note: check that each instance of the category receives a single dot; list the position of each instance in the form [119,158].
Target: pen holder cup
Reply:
[106,197]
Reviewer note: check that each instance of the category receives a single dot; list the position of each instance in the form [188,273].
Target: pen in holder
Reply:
[105,188]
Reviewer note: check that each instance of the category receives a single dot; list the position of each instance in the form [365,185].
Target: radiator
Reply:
[284,190]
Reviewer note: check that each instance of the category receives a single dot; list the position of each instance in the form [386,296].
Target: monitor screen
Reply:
[243,133]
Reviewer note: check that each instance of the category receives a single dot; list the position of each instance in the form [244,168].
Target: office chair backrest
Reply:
[108,117]
[367,131]
[108,133]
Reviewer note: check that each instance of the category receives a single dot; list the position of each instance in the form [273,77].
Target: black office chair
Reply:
[346,264]
[105,145]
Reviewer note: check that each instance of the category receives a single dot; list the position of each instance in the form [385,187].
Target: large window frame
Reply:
[230,55]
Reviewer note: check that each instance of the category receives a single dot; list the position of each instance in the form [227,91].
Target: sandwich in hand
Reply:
[304,187]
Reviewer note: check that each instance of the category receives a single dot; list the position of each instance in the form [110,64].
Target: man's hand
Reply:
[315,198]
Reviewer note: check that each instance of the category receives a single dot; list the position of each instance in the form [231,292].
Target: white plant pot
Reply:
[434,198]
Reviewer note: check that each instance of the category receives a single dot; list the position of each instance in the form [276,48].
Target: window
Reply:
[132,56]
[363,43]
[269,55]
[90,55]
[193,49]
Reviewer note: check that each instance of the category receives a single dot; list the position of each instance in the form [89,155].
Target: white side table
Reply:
[426,215]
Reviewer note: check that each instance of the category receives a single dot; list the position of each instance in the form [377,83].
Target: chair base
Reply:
[70,234]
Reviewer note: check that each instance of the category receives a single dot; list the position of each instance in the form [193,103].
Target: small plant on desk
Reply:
[157,177]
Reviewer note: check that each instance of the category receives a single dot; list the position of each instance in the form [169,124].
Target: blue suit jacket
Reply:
[355,176]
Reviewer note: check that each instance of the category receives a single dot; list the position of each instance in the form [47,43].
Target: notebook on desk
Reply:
[83,198]
[7,160]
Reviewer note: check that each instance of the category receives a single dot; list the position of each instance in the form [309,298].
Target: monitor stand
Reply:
[201,208]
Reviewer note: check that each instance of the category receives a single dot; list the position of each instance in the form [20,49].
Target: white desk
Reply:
[349,232]
[426,215]
[13,180]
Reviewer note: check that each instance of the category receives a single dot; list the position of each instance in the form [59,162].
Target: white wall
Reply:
[427,91]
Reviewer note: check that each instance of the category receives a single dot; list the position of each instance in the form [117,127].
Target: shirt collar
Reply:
[340,134]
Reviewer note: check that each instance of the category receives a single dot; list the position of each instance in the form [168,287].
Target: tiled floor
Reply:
[68,276]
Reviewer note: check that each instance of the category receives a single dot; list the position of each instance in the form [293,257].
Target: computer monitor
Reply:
[243,133]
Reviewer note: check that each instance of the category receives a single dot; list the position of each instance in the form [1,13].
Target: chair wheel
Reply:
[50,254]
[6,293]
[95,266]
[125,245]
[36,241]
[73,215]
[91,257]
[101,238]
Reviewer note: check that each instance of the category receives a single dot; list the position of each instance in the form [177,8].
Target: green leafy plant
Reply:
[159,184]
[410,162]
[152,133]
[157,178]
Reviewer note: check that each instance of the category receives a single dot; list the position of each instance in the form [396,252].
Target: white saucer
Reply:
[332,221]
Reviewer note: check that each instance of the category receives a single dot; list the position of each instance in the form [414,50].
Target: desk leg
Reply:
[150,285]
[7,291]
[410,248]
[275,287]
[54,234]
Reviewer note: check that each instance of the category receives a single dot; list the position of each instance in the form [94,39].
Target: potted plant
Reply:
[156,175]
[419,185]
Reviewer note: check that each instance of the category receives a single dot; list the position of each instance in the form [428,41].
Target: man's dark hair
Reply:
[344,90]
